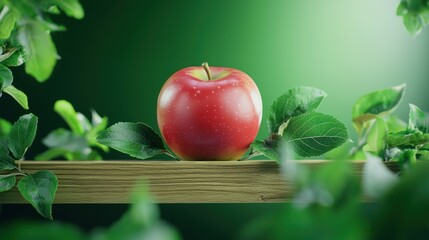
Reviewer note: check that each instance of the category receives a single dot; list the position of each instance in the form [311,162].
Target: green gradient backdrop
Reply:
[117,59]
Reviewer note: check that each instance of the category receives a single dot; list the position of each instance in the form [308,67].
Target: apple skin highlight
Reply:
[216,119]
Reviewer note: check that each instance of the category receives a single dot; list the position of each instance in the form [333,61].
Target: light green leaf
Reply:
[136,139]
[7,182]
[5,127]
[8,17]
[50,154]
[84,122]
[402,9]
[418,119]
[371,105]
[293,103]
[39,189]
[22,135]
[377,178]
[395,124]
[18,95]
[67,112]
[413,23]
[71,8]
[407,138]
[42,54]
[376,140]
[61,138]
[6,77]
[314,134]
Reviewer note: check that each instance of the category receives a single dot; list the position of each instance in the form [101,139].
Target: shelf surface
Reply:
[251,181]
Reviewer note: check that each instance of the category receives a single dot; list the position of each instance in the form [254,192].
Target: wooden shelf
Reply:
[253,181]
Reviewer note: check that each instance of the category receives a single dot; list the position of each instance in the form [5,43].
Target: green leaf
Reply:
[314,134]
[6,77]
[67,112]
[39,189]
[418,119]
[369,106]
[61,138]
[136,139]
[8,17]
[16,58]
[293,103]
[377,178]
[376,140]
[395,124]
[268,147]
[6,162]
[412,23]
[22,135]
[42,54]
[5,127]
[71,8]
[18,95]
[7,182]
[407,138]
[407,159]
[402,9]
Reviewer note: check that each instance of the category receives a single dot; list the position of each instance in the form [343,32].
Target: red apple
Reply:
[209,113]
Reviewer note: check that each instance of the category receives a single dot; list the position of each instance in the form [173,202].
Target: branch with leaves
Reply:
[37,188]
[25,37]
[415,14]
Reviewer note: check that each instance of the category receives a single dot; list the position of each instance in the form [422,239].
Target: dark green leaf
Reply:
[8,17]
[22,135]
[370,106]
[7,182]
[268,147]
[18,95]
[6,77]
[136,139]
[413,23]
[314,133]
[376,140]
[418,119]
[67,112]
[16,58]
[5,127]
[377,178]
[407,159]
[39,189]
[42,54]
[71,8]
[293,103]
[6,162]
[61,138]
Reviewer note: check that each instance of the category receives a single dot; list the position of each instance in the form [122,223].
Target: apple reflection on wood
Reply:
[209,113]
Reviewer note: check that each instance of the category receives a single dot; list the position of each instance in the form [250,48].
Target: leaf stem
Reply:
[207,69]
[168,153]
[252,154]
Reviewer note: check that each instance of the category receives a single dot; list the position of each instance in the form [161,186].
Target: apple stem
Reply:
[207,69]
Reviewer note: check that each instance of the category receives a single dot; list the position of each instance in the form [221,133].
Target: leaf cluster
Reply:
[292,119]
[25,37]
[415,14]
[37,188]
[77,143]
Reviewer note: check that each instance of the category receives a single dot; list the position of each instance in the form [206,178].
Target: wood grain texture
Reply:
[252,181]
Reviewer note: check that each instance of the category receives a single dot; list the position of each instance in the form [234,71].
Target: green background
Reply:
[117,58]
